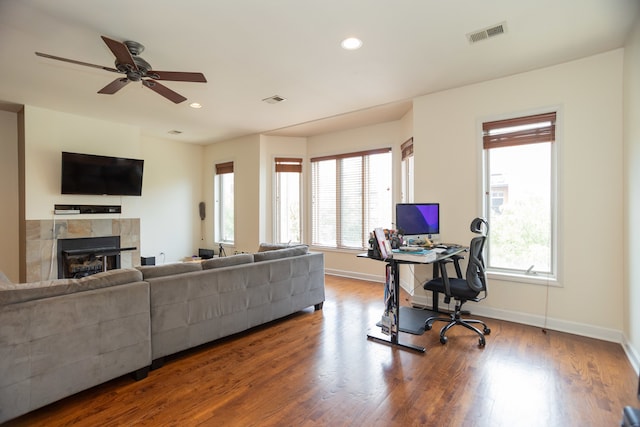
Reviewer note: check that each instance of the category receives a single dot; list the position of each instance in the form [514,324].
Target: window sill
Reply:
[533,279]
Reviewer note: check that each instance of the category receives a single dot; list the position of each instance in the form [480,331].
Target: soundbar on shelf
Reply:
[86,209]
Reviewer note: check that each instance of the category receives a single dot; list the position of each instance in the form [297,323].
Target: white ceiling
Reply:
[253,49]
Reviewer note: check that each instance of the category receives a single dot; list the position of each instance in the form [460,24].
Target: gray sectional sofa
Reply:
[194,303]
[63,336]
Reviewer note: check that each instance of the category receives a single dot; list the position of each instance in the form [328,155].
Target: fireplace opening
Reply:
[87,255]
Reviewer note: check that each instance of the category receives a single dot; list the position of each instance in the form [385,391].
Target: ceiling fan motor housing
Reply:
[143,68]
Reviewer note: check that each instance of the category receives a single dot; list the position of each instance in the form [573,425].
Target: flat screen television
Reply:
[102,175]
[416,219]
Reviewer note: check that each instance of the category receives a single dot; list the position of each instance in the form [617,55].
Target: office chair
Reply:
[464,289]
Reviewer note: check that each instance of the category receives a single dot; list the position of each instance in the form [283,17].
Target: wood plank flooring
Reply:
[318,369]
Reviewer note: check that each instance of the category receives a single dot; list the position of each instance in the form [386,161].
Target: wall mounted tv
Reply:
[102,175]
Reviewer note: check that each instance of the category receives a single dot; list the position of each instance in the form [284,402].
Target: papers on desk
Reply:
[421,256]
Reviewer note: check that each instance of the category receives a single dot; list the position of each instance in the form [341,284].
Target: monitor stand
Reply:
[420,239]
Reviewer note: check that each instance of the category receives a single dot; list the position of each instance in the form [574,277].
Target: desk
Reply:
[394,292]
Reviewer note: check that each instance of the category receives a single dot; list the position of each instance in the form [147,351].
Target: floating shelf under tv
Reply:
[86,209]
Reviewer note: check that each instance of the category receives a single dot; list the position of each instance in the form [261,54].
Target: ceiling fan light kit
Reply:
[136,69]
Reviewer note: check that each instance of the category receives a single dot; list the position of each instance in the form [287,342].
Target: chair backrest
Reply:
[476,275]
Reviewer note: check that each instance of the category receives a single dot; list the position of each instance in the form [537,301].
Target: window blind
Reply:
[351,195]
[519,131]
[222,168]
[284,164]
[407,148]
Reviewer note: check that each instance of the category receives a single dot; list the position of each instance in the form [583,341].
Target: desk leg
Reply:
[393,338]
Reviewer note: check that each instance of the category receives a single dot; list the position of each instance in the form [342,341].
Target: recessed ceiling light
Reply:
[351,43]
[195,105]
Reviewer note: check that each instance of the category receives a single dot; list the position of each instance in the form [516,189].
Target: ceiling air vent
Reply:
[487,33]
[274,99]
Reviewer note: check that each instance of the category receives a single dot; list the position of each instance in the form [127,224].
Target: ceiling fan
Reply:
[136,69]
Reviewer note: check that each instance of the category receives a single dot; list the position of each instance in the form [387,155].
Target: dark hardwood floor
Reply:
[319,369]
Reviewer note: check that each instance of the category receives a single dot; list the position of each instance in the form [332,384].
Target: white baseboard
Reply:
[583,329]
[353,275]
[560,325]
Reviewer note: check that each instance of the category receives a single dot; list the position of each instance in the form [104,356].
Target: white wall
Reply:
[48,133]
[172,189]
[244,152]
[9,216]
[589,95]
[632,192]
[172,181]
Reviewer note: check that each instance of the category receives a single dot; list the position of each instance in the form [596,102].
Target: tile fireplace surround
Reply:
[41,252]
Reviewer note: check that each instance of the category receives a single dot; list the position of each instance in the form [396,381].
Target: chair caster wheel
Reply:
[481,343]
[443,340]
[486,331]
[427,327]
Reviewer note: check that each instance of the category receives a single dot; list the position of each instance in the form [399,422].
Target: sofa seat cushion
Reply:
[227,261]
[281,253]
[152,271]
[12,293]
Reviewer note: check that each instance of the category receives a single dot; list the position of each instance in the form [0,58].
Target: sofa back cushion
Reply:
[12,293]
[227,261]
[151,271]
[264,247]
[281,253]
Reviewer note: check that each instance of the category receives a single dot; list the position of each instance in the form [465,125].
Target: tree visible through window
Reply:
[351,195]
[519,187]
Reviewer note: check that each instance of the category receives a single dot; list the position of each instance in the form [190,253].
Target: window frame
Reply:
[222,169]
[284,165]
[365,196]
[512,275]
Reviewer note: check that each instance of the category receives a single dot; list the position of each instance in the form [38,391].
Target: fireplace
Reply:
[87,255]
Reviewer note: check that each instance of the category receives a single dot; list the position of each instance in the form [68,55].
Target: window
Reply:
[520,190]
[407,171]
[224,197]
[351,195]
[288,210]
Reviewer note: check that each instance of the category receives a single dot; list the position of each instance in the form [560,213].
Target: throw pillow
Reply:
[151,271]
[281,253]
[264,247]
[227,261]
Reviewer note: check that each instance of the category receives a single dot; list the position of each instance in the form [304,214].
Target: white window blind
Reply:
[351,195]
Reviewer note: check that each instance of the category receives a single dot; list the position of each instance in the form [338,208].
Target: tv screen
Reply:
[102,175]
[418,218]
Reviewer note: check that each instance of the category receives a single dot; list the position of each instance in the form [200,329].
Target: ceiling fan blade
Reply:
[121,52]
[164,91]
[114,86]
[177,76]
[73,61]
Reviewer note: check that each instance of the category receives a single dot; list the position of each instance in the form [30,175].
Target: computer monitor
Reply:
[417,221]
